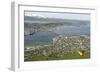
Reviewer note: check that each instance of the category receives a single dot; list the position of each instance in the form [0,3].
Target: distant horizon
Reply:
[71,16]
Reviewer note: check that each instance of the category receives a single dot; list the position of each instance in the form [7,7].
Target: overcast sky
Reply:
[59,15]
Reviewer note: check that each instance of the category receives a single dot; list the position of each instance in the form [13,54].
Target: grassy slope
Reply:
[65,57]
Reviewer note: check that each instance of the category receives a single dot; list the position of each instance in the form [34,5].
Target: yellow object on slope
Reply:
[80,53]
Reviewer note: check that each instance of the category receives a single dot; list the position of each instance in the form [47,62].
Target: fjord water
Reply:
[45,37]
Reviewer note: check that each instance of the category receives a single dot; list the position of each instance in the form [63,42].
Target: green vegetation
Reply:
[75,55]
[62,47]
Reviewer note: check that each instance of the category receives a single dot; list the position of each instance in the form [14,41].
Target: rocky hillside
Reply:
[61,46]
